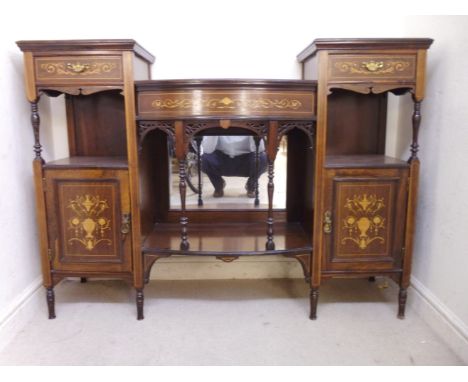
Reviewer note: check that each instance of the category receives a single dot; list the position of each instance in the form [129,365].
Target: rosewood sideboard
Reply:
[105,210]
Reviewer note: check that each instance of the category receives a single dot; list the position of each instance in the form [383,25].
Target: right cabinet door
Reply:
[364,219]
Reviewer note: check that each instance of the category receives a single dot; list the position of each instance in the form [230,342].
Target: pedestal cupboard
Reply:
[88,204]
[105,210]
[365,201]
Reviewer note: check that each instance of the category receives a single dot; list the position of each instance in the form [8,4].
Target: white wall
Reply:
[441,250]
[19,259]
[196,39]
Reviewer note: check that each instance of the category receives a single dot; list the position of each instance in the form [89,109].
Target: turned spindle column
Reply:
[411,209]
[184,244]
[35,122]
[416,123]
[198,140]
[270,245]
[257,157]
[272,143]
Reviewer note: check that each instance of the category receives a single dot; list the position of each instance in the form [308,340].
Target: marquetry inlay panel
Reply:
[78,68]
[89,216]
[363,218]
[371,67]
[239,102]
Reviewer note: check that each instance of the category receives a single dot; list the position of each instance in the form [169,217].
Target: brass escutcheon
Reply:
[77,68]
[373,66]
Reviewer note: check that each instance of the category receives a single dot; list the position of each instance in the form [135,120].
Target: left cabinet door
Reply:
[88,214]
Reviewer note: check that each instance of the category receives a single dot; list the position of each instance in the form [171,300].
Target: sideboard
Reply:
[105,211]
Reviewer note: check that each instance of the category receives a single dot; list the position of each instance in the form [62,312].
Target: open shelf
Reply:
[88,162]
[363,161]
[228,239]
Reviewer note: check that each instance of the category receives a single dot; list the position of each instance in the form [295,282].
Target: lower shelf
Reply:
[228,239]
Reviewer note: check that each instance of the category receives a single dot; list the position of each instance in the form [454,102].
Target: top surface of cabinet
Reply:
[58,47]
[363,44]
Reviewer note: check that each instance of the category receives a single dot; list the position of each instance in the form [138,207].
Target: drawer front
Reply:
[89,221]
[366,220]
[371,67]
[73,69]
[222,103]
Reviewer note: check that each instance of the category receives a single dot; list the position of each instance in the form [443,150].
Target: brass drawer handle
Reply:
[327,222]
[373,66]
[77,68]
[125,226]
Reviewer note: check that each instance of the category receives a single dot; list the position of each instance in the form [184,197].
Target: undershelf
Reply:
[88,162]
[228,239]
[363,161]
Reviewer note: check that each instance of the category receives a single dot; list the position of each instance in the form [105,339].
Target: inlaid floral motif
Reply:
[364,224]
[88,223]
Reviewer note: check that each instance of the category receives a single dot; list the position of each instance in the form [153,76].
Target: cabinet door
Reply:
[364,219]
[89,220]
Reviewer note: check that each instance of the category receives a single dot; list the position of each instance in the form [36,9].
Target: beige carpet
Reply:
[238,322]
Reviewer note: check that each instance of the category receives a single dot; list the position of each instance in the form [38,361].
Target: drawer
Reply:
[371,67]
[78,69]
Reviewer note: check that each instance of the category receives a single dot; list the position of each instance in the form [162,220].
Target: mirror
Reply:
[225,166]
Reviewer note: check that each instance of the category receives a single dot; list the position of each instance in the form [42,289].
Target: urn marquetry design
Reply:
[89,224]
[364,224]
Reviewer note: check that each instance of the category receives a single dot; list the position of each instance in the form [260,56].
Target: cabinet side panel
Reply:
[309,69]
[300,178]
[141,69]
[154,180]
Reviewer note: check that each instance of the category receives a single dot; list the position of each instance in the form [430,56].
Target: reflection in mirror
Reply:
[229,172]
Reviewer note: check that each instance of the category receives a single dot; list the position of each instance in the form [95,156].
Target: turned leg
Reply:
[270,245]
[139,302]
[402,303]
[51,303]
[314,295]
[184,244]
[257,145]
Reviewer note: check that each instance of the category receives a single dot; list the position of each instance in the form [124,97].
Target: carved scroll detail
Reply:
[306,126]
[145,127]
[259,128]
